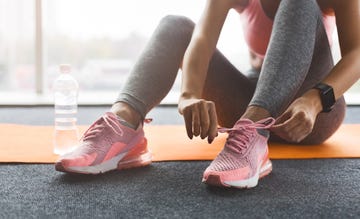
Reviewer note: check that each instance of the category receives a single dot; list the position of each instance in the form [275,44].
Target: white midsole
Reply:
[100,168]
[144,157]
[251,182]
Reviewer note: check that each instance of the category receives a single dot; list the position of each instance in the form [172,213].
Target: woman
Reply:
[295,81]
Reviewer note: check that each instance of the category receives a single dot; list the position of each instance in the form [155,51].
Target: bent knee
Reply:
[177,28]
[177,21]
[302,9]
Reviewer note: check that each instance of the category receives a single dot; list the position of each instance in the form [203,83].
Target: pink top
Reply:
[257,27]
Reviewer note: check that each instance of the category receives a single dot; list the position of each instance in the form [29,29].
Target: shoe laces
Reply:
[243,132]
[96,128]
[100,124]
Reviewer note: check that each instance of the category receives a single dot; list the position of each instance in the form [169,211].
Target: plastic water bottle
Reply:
[66,90]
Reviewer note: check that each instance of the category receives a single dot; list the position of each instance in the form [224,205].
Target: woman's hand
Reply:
[200,118]
[297,121]
[200,115]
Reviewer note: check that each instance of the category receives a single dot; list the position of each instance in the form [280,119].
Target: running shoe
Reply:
[245,156]
[107,145]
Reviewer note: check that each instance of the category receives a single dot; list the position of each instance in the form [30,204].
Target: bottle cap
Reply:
[65,68]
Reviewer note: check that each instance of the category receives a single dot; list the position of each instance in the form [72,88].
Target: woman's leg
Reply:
[298,57]
[155,71]
[230,90]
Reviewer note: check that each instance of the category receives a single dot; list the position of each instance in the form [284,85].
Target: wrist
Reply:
[314,100]
[327,96]
[188,95]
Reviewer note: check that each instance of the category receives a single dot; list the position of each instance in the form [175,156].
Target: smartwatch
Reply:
[326,95]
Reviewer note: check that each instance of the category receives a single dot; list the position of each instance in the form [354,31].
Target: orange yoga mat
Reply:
[33,144]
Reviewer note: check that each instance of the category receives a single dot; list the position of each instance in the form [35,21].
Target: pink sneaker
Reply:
[107,145]
[244,158]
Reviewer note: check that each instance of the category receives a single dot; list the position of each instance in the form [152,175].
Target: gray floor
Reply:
[319,188]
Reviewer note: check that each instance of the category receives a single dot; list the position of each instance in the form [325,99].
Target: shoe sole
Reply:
[114,163]
[261,172]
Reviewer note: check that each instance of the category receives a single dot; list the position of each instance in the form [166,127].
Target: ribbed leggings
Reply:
[298,57]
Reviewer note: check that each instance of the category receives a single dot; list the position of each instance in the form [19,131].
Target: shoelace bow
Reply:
[241,134]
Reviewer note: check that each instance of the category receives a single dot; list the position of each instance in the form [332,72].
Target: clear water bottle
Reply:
[65,90]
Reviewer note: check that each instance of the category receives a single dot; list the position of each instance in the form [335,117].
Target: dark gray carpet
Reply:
[319,188]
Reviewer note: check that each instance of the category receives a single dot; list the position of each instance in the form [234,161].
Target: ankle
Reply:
[255,113]
[127,113]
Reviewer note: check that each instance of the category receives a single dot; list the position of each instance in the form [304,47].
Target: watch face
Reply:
[327,96]
[327,90]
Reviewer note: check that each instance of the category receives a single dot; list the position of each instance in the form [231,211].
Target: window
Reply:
[101,39]
[17,49]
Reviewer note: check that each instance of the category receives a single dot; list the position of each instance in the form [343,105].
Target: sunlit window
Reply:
[103,39]
[17,50]
[100,39]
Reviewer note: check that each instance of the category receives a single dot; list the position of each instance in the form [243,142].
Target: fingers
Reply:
[196,119]
[294,128]
[212,133]
[187,113]
[204,120]
[282,118]
[200,119]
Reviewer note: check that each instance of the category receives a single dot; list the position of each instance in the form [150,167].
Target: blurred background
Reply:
[100,39]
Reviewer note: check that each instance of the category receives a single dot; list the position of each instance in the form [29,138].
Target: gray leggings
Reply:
[297,58]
